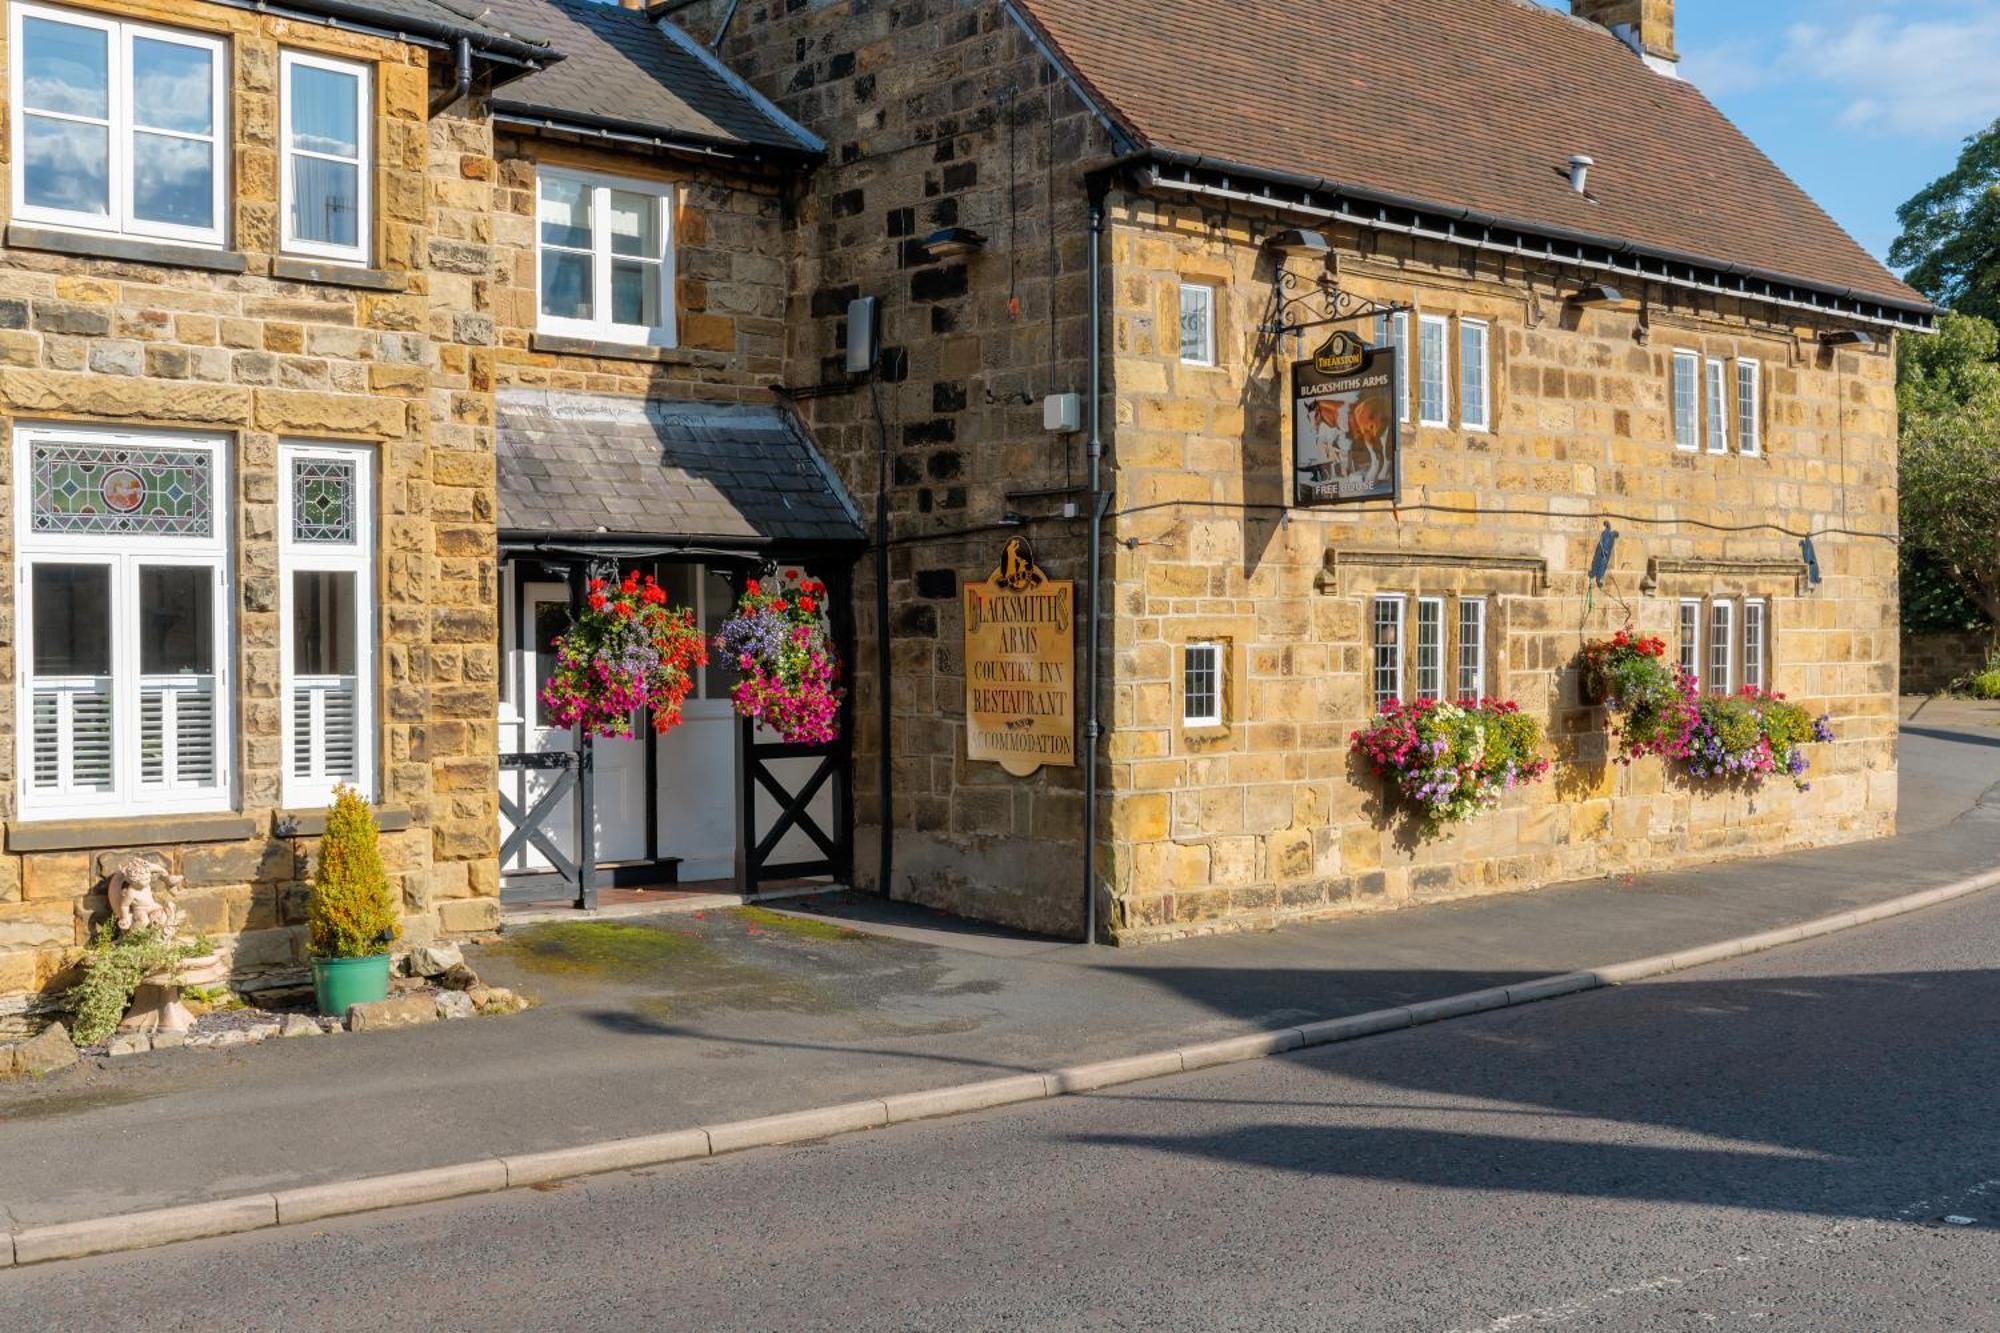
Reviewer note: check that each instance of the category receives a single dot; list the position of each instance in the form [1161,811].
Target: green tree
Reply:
[1948,390]
[1950,245]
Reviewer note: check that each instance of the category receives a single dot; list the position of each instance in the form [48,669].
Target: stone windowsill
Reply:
[20,237]
[327,272]
[75,835]
[550,342]
[312,823]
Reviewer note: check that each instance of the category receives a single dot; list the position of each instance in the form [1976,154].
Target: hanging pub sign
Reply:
[1020,666]
[1345,436]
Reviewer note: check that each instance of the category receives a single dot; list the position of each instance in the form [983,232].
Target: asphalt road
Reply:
[1769,1143]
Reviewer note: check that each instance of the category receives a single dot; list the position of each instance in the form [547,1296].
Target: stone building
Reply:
[1613,314]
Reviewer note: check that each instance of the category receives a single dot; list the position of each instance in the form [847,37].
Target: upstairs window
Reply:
[1749,407]
[1433,370]
[1475,371]
[126,641]
[325,109]
[117,127]
[1718,416]
[1687,401]
[1197,324]
[326,592]
[605,258]
[1394,331]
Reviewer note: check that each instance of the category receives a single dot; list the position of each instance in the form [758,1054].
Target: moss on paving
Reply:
[809,927]
[609,949]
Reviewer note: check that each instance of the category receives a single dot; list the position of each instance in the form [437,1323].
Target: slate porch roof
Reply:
[1468,105]
[592,467]
[442,21]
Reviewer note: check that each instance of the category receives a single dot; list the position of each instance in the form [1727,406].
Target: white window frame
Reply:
[1688,650]
[1472,648]
[1685,400]
[1203,355]
[1475,375]
[1434,369]
[602,328]
[1394,331]
[1756,642]
[307,791]
[1382,668]
[124,555]
[1749,406]
[1721,641]
[364,120]
[1715,405]
[1193,653]
[118,219]
[1429,657]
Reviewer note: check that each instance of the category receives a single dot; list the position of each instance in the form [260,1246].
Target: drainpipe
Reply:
[1100,502]
[885,770]
[461,78]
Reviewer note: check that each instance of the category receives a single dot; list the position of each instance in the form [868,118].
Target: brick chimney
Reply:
[1647,26]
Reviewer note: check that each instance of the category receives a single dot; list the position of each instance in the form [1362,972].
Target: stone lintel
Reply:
[337,275]
[66,835]
[91,246]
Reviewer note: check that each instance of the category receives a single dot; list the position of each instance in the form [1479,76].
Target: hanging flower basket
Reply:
[1652,699]
[1449,762]
[1747,736]
[778,639]
[627,651]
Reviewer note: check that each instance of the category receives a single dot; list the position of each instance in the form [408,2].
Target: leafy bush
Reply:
[1653,698]
[1452,761]
[1985,683]
[351,913]
[1749,735]
[113,967]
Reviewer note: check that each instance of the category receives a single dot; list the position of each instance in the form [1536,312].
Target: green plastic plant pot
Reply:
[340,983]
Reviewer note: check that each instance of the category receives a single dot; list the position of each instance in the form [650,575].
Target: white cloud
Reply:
[1723,71]
[1927,77]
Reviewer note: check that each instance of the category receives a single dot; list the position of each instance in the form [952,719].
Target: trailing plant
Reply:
[1747,736]
[1652,697]
[351,913]
[778,640]
[113,967]
[1452,761]
[627,651]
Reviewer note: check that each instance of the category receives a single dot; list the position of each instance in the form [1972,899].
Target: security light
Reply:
[950,242]
[1298,241]
[1847,338]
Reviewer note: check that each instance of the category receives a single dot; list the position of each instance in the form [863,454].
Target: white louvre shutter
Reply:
[325,735]
[177,733]
[72,737]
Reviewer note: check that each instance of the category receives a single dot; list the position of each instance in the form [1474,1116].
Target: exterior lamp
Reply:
[1847,338]
[1598,294]
[1298,241]
[951,242]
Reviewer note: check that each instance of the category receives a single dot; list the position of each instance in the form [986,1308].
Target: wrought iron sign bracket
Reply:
[1323,301]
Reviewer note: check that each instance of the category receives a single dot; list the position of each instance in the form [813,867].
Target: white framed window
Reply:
[1749,406]
[1201,685]
[1756,639]
[324,110]
[117,127]
[1475,375]
[1718,409]
[1690,644]
[1430,648]
[1721,642]
[1472,648]
[1388,646]
[1433,370]
[604,258]
[326,616]
[1197,324]
[123,675]
[1394,331]
[1687,401]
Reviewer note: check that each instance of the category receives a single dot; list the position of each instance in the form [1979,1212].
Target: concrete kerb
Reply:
[135,1231]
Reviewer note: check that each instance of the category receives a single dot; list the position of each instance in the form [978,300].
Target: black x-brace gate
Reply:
[531,825]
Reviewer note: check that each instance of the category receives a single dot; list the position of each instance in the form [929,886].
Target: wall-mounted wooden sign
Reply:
[1346,443]
[1020,666]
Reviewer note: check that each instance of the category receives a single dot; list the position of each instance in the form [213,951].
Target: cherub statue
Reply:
[141,894]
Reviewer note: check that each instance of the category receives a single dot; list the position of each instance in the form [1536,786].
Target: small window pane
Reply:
[1690,645]
[1749,413]
[323,501]
[173,180]
[1472,649]
[326,201]
[1753,644]
[551,622]
[323,623]
[66,165]
[72,620]
[1388,650]
[722,674]
[1720,643]
[635,293]
[1201,684]
[176,621]
[1472,375]
[325,111]
[1430,648]
[173,87]
[635,224]
[66,68]
[566,285]
[1687,413]
[1197,324]
[565,213]
[1718,422]
[1433,366]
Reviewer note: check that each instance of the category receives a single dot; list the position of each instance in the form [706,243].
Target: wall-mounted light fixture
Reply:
[1300,241]
[1848,338]
[1812,562]
[1598,294]
[1600,560]
[951,242]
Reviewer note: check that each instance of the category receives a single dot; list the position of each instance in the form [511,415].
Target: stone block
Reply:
[49,876]
[398,1011]
[44,1053]
[465,915]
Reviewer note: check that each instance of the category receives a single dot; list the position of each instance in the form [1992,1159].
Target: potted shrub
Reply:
[1652,699]
[1449,762]
[351,916]
[627,651]
[778,639]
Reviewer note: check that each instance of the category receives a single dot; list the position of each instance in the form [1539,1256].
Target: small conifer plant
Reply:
[352,914]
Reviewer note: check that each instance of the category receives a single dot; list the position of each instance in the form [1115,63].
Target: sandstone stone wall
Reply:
[1266,818]
[942,114]
[400,357]
[1933,662]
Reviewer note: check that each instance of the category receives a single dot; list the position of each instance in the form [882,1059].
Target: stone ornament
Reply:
[135,892]
[141,893]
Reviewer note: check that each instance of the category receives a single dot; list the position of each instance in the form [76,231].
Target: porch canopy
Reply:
[589,482]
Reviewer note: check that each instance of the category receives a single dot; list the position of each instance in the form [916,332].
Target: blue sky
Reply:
[1863,102]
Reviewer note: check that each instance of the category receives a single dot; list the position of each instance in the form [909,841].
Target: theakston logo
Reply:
[1341,354]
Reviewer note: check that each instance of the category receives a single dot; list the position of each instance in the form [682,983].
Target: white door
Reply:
[697,792]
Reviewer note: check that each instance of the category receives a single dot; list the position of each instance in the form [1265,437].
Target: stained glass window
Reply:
[85,488]
[323,500]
